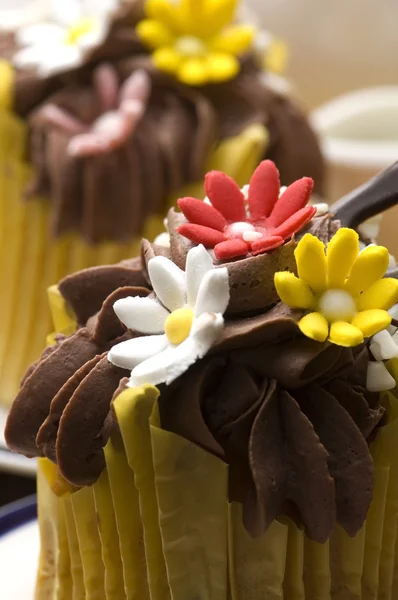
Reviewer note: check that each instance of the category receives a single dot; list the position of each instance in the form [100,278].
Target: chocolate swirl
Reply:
[109,196]
[282,416]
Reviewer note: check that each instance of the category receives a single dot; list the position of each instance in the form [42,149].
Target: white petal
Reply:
[62,58]
[378,379]
[168,281]
[102,7]
[213,294]
[163,240]
[41,33]
[67,12]
[383,347]
[199,263]
[131,353]
[174,361]
[141,314]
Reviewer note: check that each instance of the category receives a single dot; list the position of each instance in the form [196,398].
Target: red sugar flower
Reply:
[233,227]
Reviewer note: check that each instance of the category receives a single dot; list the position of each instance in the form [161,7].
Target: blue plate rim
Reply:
[17,513]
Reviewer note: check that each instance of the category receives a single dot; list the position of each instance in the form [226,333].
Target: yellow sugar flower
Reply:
[195,40]
[343,289]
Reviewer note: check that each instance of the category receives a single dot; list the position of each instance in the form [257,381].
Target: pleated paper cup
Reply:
[158,525]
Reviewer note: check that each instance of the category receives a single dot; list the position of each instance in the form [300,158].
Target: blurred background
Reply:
[343,63]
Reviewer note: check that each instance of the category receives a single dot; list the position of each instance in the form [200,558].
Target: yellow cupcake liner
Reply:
[158,525]
[31,260]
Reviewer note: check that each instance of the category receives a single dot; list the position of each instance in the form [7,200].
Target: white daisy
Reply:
[73,28]
[181,324]
[383,346]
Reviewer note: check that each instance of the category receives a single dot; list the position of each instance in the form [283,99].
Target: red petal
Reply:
[293,199]
[225,196]
[266,244]
[295,222]
[199,234]
[264,190]
[197,211]
[231,249]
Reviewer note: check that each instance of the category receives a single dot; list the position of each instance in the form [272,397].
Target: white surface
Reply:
[13,463]
[19,552]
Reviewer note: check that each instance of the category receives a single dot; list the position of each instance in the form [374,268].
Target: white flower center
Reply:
[189,45]
[79,29]
[337,305]
[239,228]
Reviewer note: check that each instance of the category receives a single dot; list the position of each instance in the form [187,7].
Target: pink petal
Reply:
[295,222]
[293,199]
[264,190]
[225,196]
[53,115]
[199,234]
[106,83]
[87,144]
[136,87]
[197,211]
[266,244]
[231,249]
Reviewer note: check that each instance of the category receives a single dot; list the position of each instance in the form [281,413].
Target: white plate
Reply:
[9,461]
[19,552]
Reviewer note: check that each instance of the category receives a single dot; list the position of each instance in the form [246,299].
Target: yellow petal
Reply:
[311,262]
[292,291]
[7,82]
[234,40]
[342,250]
[371,321]
[315,326]
[382,294]
[345,334]
[370,266]
[222,66]
[276,57]
[193,71]
[167,59]
[163,11]
[154,34]
[219,14]
[191,17]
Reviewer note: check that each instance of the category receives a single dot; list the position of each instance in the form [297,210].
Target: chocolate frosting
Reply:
[290,416]
[109,196]
[291,443]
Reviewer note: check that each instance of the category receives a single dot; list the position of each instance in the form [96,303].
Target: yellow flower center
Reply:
[191,46]
[79,29]
[178,325]
[337,305]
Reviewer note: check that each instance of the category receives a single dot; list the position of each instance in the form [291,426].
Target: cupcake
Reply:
[223,421]
[106,118]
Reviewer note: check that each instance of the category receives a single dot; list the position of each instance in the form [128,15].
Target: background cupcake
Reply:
[107,116]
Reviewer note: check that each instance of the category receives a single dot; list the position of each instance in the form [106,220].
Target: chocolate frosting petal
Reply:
[293,363]
[86,290]
[32,405]
[106,326]
[288,462]
[352,399]
[350,463]
[79,450]
[47,436]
